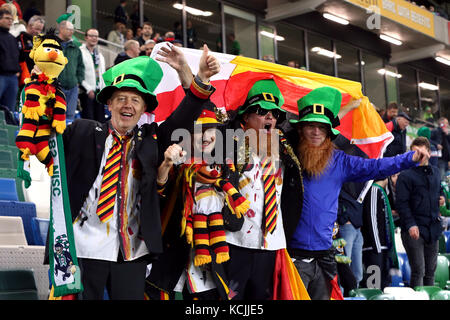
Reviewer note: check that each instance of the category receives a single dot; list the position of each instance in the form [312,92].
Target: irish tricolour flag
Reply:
[360,122]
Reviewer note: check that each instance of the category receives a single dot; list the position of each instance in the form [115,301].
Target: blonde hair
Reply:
[12,9]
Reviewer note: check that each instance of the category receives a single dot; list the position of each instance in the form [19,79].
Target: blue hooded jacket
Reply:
[320,203]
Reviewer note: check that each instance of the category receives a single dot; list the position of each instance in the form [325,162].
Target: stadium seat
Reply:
[39,190]
[4,137]
[441,295]
[430,290]
[18,285]
[12,133]
[12,173]
[405,267]
[8,190]
[40,229]
[406,293]
[365,292]
[6,159]
[11,231]
[397,280]
[27,258]
[383,296]
[447,244]
[25,210]
[441,276]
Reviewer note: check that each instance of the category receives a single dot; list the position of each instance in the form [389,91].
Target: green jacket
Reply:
[73,73]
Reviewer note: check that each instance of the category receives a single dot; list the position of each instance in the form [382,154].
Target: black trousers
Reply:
[314,278]
[370,275]
[124,280]
[422,257]
[250,273]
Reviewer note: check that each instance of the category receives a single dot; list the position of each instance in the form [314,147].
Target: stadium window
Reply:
[348,63]
[409,100]
[320,53]
[374,85]
[444,97]
[205,26]
[240,29]
[291,51]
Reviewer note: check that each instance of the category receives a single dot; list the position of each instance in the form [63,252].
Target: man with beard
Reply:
[255,241]
[325,169]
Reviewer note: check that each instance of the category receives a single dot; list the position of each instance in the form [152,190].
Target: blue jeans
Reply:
[71,102]
[353,248]
[9,85]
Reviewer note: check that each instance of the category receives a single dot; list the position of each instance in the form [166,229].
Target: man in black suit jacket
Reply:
[114,251]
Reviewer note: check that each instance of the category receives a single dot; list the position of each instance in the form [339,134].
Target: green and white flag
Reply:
[64,268]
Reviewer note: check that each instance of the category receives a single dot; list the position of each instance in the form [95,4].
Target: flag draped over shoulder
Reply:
[360,122]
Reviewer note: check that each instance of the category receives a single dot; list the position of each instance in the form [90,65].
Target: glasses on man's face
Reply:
[262,112]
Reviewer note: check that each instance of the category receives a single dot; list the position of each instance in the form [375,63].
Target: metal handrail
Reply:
[102,40]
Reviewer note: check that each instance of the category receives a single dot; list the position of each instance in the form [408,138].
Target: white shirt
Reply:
[251,235]
[90,81]
[102,240]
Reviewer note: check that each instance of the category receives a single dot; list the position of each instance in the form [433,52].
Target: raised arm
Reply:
[191,106]
[174,57]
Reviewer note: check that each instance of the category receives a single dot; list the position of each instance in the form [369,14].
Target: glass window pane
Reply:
[408,90]
[240,32]
[444,95]
[373,80]
[347,62]
[320,55]
[105,18]
[107,30]
[292,48]
[391,85]
[204,29]
[267,43]
[162,15]
[429,107]
[85,21]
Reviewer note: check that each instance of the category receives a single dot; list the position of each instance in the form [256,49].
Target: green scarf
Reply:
[64,268]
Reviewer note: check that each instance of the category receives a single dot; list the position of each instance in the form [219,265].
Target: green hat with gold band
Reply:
[140,73]
[264,93]
[320,105]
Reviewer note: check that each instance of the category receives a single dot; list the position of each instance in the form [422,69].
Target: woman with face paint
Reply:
[192,264]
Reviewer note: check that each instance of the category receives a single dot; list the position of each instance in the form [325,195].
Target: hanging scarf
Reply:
[64,268]
[96,60]
[389,226]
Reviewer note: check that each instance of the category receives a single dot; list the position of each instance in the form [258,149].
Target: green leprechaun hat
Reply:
[320,105]
[140,73]
[264,93]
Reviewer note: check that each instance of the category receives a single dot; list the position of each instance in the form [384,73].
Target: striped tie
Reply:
[270,197]
[105,206]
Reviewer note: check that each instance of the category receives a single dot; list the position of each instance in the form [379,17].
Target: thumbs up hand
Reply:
[208,66]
